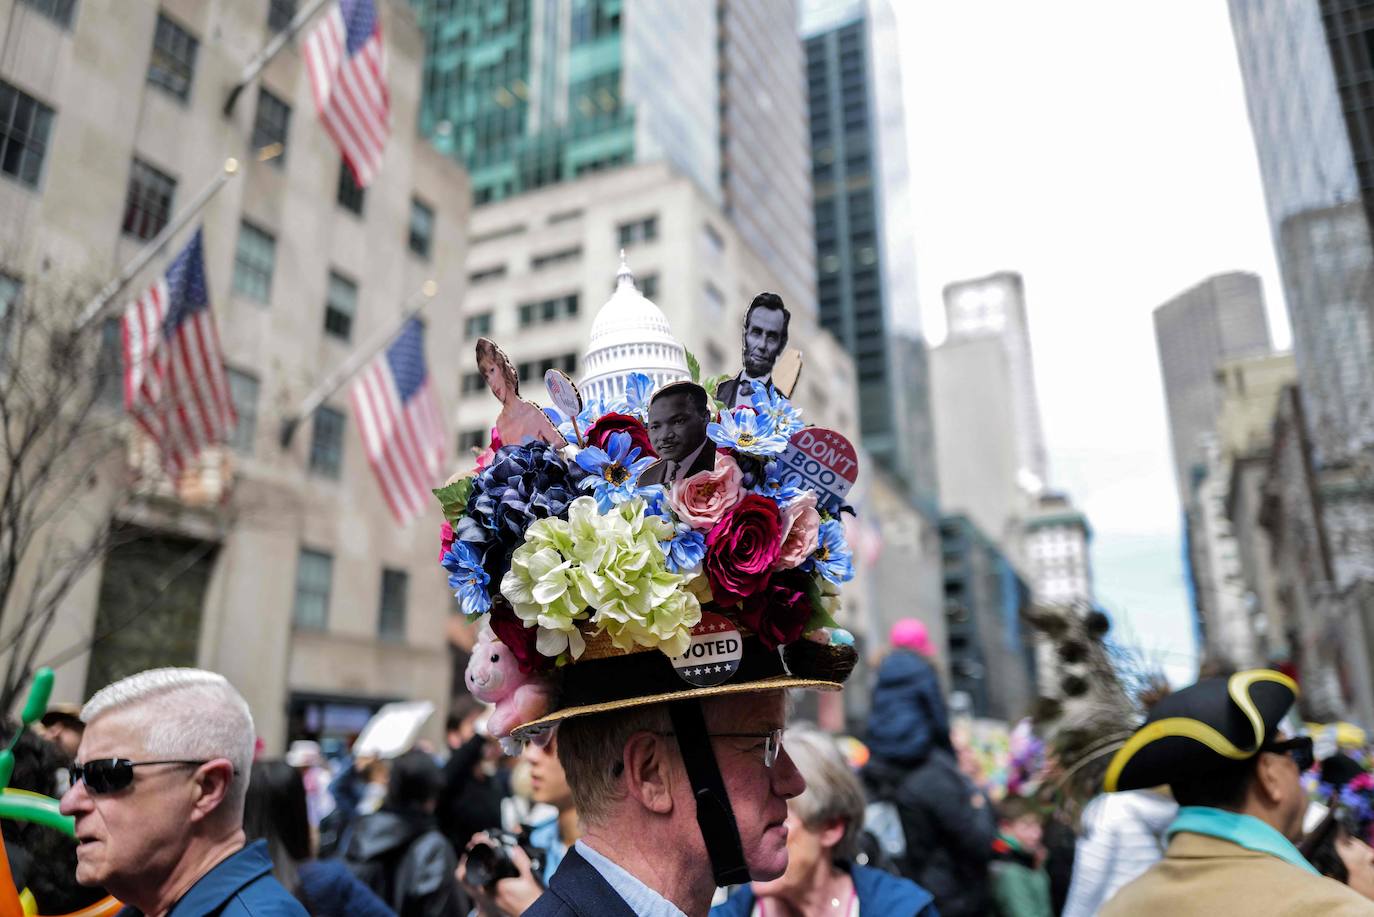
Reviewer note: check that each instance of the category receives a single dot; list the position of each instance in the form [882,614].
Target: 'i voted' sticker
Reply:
[714,653]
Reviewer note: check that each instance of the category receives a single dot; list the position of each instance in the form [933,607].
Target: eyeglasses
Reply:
[1299,749]
[110,775]
[772,744]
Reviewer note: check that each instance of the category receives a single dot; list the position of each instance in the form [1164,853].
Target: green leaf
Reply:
[693,367]
[711,384]
[819,617]
[454,498]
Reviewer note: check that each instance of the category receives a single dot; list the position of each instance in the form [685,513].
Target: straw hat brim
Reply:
[776,683]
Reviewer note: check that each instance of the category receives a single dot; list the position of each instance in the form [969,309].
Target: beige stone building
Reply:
[298,584]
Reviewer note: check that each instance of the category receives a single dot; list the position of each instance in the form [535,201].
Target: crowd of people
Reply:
[1209,810]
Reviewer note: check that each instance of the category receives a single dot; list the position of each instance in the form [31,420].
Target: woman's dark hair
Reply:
[1319,847]
[415,781]
[275,811]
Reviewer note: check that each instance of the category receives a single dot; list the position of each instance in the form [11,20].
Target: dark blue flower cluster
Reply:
[522,483]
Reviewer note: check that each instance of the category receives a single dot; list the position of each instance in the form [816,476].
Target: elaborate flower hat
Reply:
[598,591]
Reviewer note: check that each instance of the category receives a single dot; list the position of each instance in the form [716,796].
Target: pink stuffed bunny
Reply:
[493,677]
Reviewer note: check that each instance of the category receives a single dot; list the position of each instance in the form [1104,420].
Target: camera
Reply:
[488,863]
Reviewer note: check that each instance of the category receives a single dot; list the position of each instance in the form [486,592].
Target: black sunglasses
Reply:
[110,775]
[1299,749]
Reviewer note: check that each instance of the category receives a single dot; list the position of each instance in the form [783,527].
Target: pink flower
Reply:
[801,525]
[707,496]
[741,549]
[445,540]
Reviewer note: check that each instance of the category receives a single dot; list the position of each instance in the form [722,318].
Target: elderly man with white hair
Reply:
[157,794]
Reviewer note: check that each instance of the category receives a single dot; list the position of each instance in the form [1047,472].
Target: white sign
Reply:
[393,729]
[564,393]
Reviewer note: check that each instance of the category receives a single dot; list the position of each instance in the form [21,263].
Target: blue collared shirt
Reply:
[642,899]
[1243,830]
[240,885]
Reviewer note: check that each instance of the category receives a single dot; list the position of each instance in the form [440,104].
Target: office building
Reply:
[1056,546]
[529,93]
[866,283]
[298,585]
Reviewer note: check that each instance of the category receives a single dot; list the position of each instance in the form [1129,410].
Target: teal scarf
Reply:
[1243,830]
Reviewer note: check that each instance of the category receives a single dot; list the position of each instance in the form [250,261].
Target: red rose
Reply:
[741,549]
[600,433]
[518,638]
[778,614]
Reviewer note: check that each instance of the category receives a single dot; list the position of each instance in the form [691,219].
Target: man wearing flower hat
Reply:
[1219,747]
[658,630]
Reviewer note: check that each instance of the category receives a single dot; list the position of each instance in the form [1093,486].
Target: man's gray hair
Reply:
[185,713]
[832,791]
[592,748]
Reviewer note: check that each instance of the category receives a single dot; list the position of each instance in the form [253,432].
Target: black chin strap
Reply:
[714,815]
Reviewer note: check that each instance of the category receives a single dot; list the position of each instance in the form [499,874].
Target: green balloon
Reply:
[6,767]
[39,692]
[40,810]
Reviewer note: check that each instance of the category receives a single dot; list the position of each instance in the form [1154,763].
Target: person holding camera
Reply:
[506,873]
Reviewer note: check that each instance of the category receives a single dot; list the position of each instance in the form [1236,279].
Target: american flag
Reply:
[174,382]
[345,59]
[401,425]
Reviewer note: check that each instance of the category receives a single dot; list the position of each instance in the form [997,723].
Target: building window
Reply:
[279,14]
[421,228]
[476,326]
[326,443]
[533,370]
[174,58]
[340,305]
[648,286]
[243,391]
[474,382]
[148,205]
[645,230]
[391,615]
[350,195]
[314,573]
[471,439]
[539,262]
[486,274]
[25,124]
[253,262]
[59,11]
[548,310]
[270,125]
[713,238]
[715,299]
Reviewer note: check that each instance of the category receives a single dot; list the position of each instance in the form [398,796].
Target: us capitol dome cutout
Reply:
[630,334]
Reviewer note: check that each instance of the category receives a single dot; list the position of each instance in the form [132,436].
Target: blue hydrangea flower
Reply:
[685,551]
[832,558]
[592,410]
[781,414]
[780,483]
[613,476]
[744,431]
[467,578]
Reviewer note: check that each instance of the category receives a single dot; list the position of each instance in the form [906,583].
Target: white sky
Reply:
[1102,150]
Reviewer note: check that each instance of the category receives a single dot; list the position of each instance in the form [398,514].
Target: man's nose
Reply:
[788,782]
[76,800]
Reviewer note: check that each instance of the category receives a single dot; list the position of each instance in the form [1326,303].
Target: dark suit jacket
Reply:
[725,392]
[577,890]
[706,461]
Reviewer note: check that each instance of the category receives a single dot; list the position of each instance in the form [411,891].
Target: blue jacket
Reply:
[241,885]
[878,893]
[578,890]
[908,717]
[332,891]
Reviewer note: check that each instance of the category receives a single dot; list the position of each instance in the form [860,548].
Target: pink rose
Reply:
[801,525]
[703,499]
[445,540]
[741,549]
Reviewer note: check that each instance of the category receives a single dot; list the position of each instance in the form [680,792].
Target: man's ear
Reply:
[648,772]
[212,779]
[1270,778]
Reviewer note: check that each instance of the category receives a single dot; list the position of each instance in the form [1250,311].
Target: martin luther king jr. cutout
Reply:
[678,414]
[765,337]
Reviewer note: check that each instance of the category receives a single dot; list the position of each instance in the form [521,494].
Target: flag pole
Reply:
[269,51]
[355,361]
[150,251]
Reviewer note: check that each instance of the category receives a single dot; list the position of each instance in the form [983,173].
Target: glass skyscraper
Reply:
[866,283]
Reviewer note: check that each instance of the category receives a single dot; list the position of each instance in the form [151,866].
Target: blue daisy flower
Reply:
[744,431]
[467,578]
[832,558]
[779,483]
[685,551]
[635,401]
[613,476]
[592,410]
[774,407]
